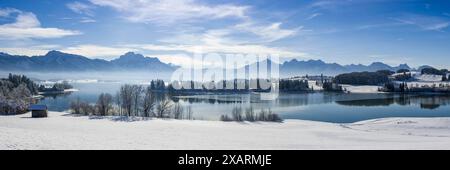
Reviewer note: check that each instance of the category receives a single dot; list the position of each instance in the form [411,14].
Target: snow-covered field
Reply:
[61,131]
[427,77]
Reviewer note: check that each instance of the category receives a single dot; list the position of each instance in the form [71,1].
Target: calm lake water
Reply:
[327,107]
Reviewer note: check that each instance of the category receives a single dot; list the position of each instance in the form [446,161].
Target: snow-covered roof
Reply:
[37,107]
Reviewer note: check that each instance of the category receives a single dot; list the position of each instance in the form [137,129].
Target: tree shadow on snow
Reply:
[111,118]
[120,118]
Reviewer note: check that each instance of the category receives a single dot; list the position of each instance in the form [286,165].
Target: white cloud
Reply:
[214,42]
[23,51]
[4,12]
[171,11]
[218,41]
[182,60]
[181,54]
[97,51]
[268,33]
[81,8]
[32,50]
[87,50]
[247,32]
[27,26]
[221,48]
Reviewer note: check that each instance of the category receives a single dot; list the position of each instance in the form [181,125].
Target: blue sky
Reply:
[342,31]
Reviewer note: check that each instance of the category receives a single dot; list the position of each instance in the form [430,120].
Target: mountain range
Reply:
[59,61]
[316,67]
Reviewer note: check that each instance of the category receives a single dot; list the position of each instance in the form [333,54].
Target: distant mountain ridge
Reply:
[59,61]
[320,67]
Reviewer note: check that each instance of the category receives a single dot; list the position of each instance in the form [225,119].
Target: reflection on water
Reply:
[329,107]
[425,101]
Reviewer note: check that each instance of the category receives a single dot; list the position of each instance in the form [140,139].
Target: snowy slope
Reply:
[428,77]
[68,132]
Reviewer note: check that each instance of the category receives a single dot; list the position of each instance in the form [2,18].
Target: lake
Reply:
[327,107]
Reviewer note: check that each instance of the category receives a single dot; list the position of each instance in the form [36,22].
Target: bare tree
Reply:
[126,96]
[104,103]
[136,95]
[189,113]
[236,114]
[86,108]
[250,114]
[149,102]
[118,101]
[178,111]
[75,106]
[163,109]
[262,115]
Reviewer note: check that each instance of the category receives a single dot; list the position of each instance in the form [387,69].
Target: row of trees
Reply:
[390,87]
[293,85]
[362,78]
[157,85]
[405,76]
[56,87]
[133,100]
[239,115]
[382,76]
[445,78]
[434,71]
[14,81]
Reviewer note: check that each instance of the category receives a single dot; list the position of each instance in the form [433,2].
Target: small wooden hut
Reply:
[38,110]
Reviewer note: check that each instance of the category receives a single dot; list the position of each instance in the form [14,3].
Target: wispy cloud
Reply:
[26,26]
[84,9]
[221,48]
[380,25]
[427,23]
[87,20]
[81,8]
[175,50]
[171,11]
[334,5]
[180,52]
[312,16]
[268,33]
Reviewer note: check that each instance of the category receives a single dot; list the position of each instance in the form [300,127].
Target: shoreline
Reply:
[58,92]
[60,131]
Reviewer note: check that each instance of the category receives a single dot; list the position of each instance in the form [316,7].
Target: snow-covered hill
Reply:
[428,78]
[61,131]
